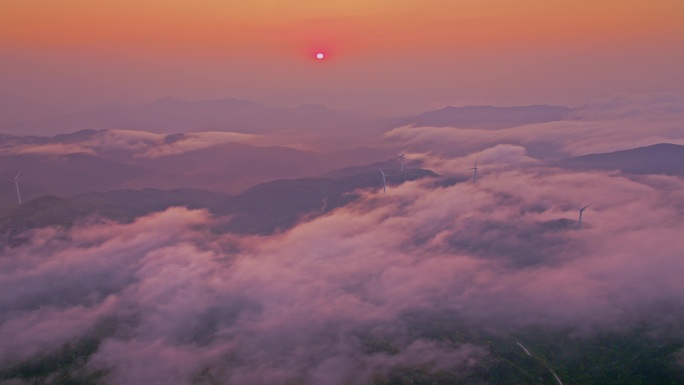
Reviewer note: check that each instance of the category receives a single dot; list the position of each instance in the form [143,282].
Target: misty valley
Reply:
[230,242]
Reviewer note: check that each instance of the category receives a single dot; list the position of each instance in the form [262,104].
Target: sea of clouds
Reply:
[171,301]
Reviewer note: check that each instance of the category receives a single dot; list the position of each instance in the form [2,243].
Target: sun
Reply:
[320,56]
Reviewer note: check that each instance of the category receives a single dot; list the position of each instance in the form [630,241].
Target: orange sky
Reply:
[175,25]
[134,51]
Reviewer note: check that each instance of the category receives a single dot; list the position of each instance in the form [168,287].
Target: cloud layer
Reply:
[184,303]
[170,301]
[616,123]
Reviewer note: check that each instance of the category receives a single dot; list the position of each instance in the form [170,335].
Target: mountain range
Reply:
[488,117]
[90,186]
[662,158]
[262,209]
[171,115]
[103,160]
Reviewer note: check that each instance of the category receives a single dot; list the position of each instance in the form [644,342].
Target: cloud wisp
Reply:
[141,144]
[616,123]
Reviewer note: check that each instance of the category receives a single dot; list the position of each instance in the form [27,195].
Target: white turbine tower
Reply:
[384,182]
[581,211]
[16,186]
[474,170]
[402,160]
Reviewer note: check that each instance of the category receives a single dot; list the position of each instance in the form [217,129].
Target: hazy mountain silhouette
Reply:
[117,205]
[103,160]
[71,174]
[9,141]
[65,174]
[253,163]
[170,115]
[262,209]
[663,158]
[278,205]
[488,117]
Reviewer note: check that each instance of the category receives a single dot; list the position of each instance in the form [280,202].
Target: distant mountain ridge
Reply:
[488,117]
[171,115]
[278,205]
[103,160]
[262,209]
[662,158]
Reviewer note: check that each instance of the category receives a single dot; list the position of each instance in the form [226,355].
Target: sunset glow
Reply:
[131,51]
[362,192]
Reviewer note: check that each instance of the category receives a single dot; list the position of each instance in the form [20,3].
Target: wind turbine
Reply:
[384,181]
[402,159]
[16,186]
[581,211]
[474,170]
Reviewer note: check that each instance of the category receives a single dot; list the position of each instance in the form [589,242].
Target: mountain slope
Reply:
[262,209]
[117,205]
[102,160]
[64,175]
[278,205]
[663,158]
